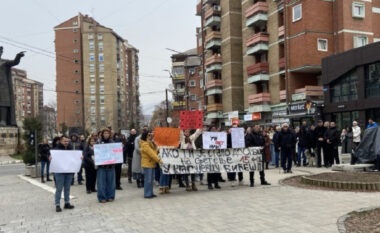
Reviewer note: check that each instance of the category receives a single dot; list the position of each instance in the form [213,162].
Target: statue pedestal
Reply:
[8,140]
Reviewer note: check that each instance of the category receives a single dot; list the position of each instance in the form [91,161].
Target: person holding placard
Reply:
[89,165]
[213,178]
[149,159]
[63,180]
[106,174]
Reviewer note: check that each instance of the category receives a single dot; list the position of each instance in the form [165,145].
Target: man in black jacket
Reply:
[130,147]
[319,134]
[332,142]
[76,144]
[286,143]
[256,139]
[44,151]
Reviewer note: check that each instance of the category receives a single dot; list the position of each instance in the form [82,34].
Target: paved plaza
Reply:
[277,208]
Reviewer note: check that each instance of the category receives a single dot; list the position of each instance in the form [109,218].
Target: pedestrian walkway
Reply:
[275,208]
[5,160]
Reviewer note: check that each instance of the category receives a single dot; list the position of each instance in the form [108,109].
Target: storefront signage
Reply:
[256,116]
[302,108]
[280,113]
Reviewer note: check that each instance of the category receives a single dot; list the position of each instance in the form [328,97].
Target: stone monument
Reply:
[8,126]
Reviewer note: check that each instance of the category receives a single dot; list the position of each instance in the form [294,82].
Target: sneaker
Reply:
[110,200]
[188,188]
[161,191]
[68,206]
[217,186]
[167,191]
[265,182]
[58,209]
[103,201]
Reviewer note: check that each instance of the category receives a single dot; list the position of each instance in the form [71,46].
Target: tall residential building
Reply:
[28,96]
[92,80]
[264,56]
[49,119]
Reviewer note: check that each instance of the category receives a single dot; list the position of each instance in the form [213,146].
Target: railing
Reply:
[256,38]
[214,83]
[259,98]
[258,68]
[213,59]
[254,9]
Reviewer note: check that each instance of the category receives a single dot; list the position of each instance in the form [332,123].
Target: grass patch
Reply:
[16,156]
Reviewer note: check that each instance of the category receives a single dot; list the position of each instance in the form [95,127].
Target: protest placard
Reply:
[110,153]
[65,161]
[237,137]
[166,136]
[214,140]
[191,119]
[178,161]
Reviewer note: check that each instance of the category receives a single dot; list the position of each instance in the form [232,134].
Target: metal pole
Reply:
[167,107]
[35,150]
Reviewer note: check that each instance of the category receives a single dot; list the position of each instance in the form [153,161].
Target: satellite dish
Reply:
[169,120]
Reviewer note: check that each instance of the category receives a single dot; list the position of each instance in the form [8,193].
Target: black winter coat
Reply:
[130,145]
[319,132]
[287,139]
[255,140]
[61,147]
[303,139]
[275,141]
[333,135]
[87,157]
[44,151]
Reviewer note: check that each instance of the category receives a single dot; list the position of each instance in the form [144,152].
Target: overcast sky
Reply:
[149,25]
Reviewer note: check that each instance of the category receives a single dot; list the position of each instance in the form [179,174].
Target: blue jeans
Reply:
[62,181]
[286,156]
[301,150]
[148,181]
[43,163]
[105,180]
[164,179]
[277,156]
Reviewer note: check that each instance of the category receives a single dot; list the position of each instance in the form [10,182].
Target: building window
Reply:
[358,10]
[192,83]
[101,67]
[75,30]
[75,23]
[372,82]
[93,110]
[178,70]
[360,41]
[322,45]
[297,12]
[100,46]
[76,71]
[75,41]
[76,101]
[91,45]
[376,40]
[76,92]
[101,89]
[92,89]
[92,68]
[102,110]
[76,81]
[75,51]
[76,61]
[345,88]
[92,99]
[92,57]
[101,58]
[100,36]
[101,99]
[193,97]
[93,120]
[90,36]
[92,78]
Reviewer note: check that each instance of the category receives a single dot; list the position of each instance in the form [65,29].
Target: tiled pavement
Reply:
[276,208]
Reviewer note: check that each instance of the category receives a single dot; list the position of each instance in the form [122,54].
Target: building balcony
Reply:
[308,92]
[257,43]
[213,39]
[214,107]
[177,104]
[214,91]
[199,9]
[282,95]
[256,14]
[259,108]
[215,59]
[259,98]
[258,78]
[281,63]
[179,91]
[213,11]
[281,31]
[214,83]
[215,115]
[211,2]
[212,21]
[179,78]
[214,68]
[258,68]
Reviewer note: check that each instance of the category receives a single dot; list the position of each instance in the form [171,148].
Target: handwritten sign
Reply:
[106,154]
[177,161]
[237,136]
[65,161]
[214,140]
[166,136]
[191,119]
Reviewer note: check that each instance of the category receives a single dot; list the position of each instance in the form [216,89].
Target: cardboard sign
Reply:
[65,161]
[177,161]
[106,154]
[214,140]
[191,119]
[166,136]
[237,137]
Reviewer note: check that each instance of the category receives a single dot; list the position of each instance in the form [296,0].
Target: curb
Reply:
[342,219]
[11,162]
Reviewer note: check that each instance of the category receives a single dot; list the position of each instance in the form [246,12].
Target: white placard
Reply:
[247,117]
[65,161]
[109,153]
[237,136]
[214,140]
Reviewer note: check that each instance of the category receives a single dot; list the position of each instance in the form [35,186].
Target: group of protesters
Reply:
[279,144]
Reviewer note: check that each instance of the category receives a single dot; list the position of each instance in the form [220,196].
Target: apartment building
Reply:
[92,76]
[49,119]
[28,96]
[275,76]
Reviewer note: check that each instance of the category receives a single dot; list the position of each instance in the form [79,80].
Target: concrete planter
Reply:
[30,170]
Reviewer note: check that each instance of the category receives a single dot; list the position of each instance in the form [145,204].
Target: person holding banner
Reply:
[106,174]
[213,178]
[63,180]
[89,165]
[187,142]
[256,139]
[149,159]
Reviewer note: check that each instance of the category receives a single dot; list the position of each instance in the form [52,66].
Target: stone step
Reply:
[353,168]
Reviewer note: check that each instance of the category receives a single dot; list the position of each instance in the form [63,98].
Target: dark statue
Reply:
[7,105]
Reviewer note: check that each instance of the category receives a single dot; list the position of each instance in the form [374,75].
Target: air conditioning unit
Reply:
[217,8]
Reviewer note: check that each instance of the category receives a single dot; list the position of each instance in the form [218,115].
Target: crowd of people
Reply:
[281,146]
